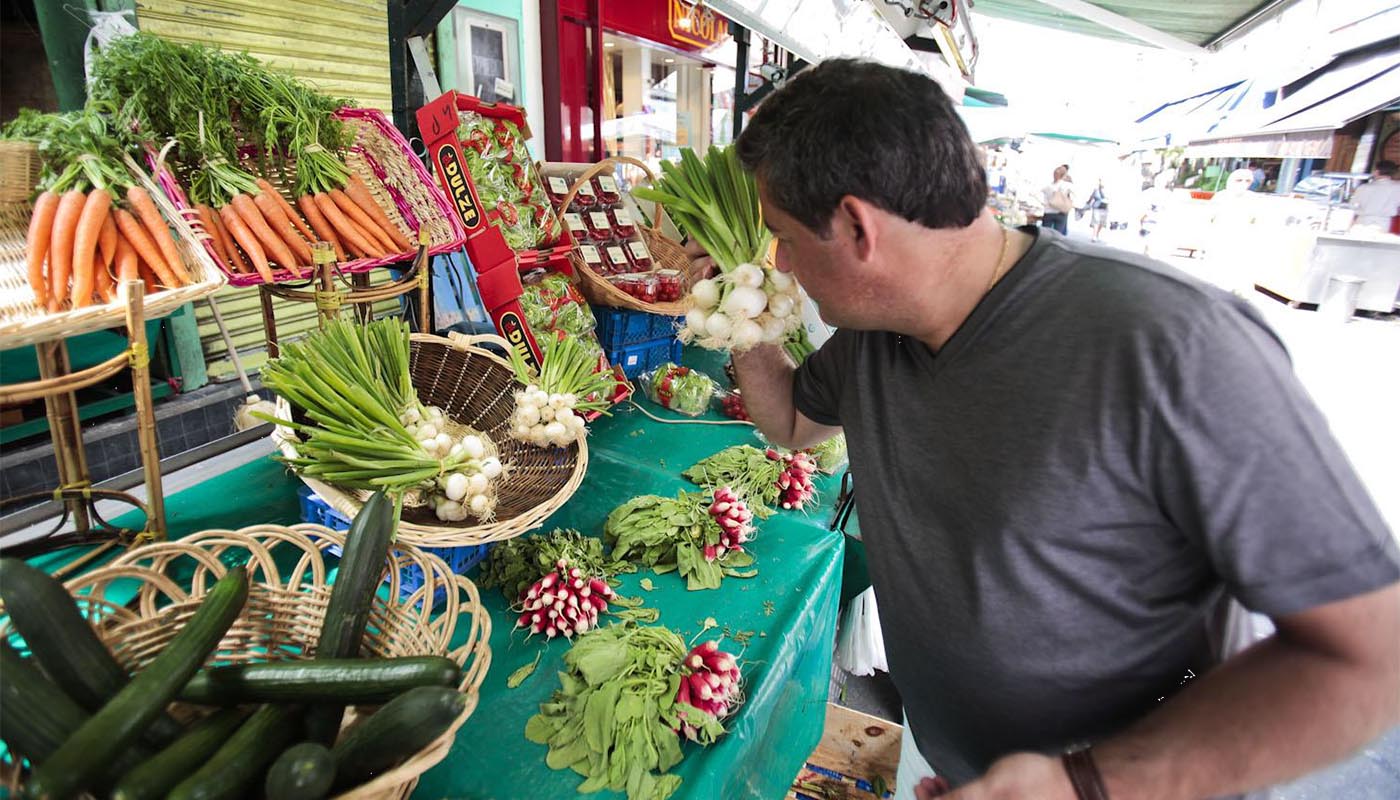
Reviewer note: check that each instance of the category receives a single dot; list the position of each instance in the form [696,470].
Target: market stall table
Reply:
[787,614]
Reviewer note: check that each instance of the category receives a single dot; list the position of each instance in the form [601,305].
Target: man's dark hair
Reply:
[888,136]
[1386,167]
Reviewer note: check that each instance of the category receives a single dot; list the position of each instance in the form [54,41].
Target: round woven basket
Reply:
[665,252]
[476,388]
[19,170]
[282,617]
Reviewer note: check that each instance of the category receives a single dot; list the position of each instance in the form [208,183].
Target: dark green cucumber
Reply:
[405,725]
[347,611]
[235,769]
[304,772]
[36,717]
[334,680]
[153,778]
[64,645]
[111,730]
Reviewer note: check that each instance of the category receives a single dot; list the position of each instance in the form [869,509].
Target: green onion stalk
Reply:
[365,427]
[715,202]
[570,384]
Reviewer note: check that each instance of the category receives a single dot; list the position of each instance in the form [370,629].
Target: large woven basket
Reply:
[476,388]
[19,170]
[23,322]
[282,617]
[383,159]
[665,252]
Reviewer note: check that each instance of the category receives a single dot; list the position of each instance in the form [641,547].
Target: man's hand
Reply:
[701,259]
[1015,777]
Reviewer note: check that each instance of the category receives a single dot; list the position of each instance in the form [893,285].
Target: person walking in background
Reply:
[1376,202]
[1059,201]
[1098,209]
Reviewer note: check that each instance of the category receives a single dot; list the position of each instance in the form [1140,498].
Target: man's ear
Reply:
[858,220]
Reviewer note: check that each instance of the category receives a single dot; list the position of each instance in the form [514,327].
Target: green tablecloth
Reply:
[790,610]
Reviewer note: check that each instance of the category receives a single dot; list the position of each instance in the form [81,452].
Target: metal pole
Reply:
[741,74]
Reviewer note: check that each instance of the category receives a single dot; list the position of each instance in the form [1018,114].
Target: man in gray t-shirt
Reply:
[1067,458]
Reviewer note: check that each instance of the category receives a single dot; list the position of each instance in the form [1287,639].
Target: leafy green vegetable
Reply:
[715,202]
[552,304]
[513,565]
[518,677]
[668,534]
[614,718]
[747,470]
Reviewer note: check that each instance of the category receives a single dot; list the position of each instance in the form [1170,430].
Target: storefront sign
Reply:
[690,22]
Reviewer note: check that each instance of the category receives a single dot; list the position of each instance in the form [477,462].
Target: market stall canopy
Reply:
[1170,24]
[1300,124]
[817,29]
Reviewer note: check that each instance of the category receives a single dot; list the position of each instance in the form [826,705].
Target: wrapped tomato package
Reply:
[642,287]
[622,222]
[669,286]
[681,389]
[607,189]
[599,227]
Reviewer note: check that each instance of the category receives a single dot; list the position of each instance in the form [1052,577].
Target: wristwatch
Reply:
[1084,774]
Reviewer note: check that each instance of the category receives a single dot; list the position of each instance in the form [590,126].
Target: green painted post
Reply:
[63,27]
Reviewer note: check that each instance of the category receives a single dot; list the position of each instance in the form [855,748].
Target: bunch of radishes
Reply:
[742,308]
[735,523]
[545,419]
[470,458]
[710,682]
[564,602]
[795,483]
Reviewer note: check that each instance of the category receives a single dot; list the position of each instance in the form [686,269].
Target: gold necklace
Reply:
[1001,260]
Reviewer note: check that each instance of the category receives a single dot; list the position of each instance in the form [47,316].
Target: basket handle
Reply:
[608,165]
[462,340]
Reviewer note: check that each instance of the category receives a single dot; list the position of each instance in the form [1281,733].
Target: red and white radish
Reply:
[563,603]
[710,683]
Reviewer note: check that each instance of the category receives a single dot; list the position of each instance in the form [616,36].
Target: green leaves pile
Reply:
[747,470]
[715,202]
[514,564]
[613,719]
[671,533]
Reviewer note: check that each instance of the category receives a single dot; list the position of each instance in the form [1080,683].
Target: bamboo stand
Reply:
[57,386]
[359,293]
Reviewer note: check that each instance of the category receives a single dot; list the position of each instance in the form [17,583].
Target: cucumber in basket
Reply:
[236,767]
[36,716]
[337,680]
[405,725]
[64,644]
[153,778]
[304,772]
[91,748]
[352,594]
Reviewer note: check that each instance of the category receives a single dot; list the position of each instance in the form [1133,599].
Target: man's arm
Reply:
[765,378]
[1325,684]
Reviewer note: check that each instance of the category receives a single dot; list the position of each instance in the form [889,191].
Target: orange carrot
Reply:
[324,231]
[37,244]
[65,228]
[107,244]
[95,209]
[211,229]
[145,208]
[106,286]
[245,237]
[357,215]
[235,256]
[148,275]
[277,220]
[140,240]
[348,233]
[357,191]
[380,250]
[287,209]
[128,263]
[272,244]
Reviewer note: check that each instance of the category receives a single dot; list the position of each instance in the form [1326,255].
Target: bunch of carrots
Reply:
[193,94]
[83,240]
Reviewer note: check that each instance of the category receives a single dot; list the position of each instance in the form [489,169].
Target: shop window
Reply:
[488,61]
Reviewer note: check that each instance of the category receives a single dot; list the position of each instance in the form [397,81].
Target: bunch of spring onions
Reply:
[715,202]
[367,429]
[550,410]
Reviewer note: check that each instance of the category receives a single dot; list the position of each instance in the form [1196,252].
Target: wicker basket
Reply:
[282,617]
[665,253]
[19,170]
[23,322]
[476,388]
[384,161]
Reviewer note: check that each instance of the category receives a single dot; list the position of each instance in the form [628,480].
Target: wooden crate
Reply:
[858,754]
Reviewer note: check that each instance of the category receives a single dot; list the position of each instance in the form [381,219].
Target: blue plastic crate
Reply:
[638,358]
[619,327]
[459,559]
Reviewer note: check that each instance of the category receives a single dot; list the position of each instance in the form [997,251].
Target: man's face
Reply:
[823,265]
